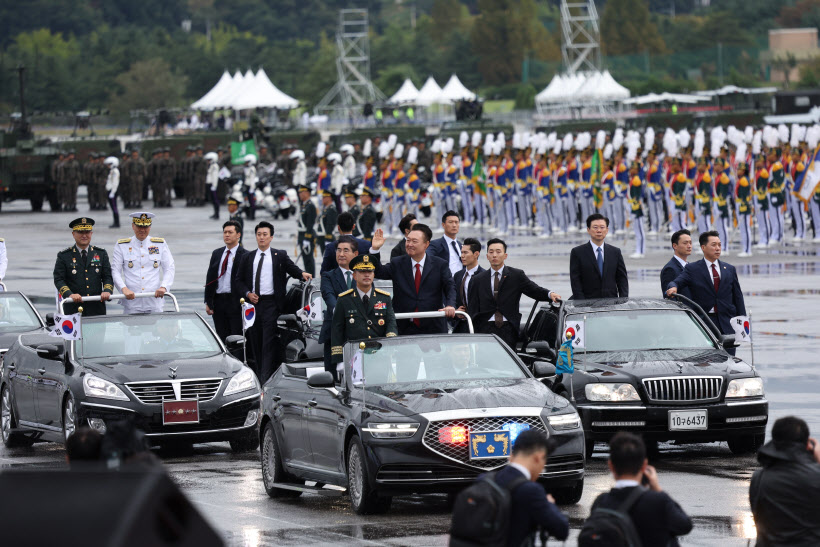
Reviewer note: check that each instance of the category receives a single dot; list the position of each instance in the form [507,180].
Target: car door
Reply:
[290,398]
[324,424]
[48,391]
[21,370]
[314,350]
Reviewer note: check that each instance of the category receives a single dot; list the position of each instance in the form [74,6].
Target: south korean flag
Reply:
[66,326]
[575,332]
[743,329]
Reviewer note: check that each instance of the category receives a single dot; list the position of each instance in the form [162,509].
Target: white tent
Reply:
[224,98]
[215,91]
[429,94]
[261,93]
[407,94]
[554,88]
[729,89]
[580,88]
[454,91]
[665,97]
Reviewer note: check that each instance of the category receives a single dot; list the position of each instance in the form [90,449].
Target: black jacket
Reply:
[587,283]
[728,299]
[399,249]
[668,275]
[658,518]
[282,266]
[213,274]
[329,258]
[784,497]
[514,282]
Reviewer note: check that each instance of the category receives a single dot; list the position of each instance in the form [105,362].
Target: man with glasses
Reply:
[334,283]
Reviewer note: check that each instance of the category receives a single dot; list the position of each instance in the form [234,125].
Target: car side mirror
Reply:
[728,341]
[321,380]
[50,351]
[235,341]
[542,369]
[540,348]
[49,319]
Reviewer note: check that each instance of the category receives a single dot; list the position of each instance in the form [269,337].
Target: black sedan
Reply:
[654,367]
[17,315]
[168,374]
[434,413]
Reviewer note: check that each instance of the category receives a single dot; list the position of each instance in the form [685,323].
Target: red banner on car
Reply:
[180,412]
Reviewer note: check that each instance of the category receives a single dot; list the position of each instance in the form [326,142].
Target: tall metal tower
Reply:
[353,88]
[581,43]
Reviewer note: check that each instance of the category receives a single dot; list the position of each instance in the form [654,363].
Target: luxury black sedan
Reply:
[654,367]
[433,413]
[168,374]
[17,315]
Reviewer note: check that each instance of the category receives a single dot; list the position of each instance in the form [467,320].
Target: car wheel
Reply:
[246,444]
[746,444]
[272,469]
[362,497]
[569,495]
[8,422]
[69,417]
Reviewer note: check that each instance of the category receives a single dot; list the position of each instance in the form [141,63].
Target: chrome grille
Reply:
[684,388]
[156,392]
[460,452]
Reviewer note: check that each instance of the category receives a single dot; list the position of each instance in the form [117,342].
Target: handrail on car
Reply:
[96,298]
[435,314]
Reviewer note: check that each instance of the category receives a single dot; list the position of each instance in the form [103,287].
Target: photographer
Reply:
[784,493]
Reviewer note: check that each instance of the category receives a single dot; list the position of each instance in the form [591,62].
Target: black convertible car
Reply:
[654,367]
[167,373]
[434,413]
[17,315]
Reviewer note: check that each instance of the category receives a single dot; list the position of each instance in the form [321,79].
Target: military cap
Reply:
[220,149]
[83,224]
[362,263]
[142,218]
[327,194]
[369,192]
[189,148]
[303,188]
[199,147]
[350,193]
[233,201]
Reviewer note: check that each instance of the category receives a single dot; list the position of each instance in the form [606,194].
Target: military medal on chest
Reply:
[352,320]
[130,264]
[73,265]
[156,264]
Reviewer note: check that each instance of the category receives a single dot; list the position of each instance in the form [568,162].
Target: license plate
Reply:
[681,420]
[485,445]
[180,412]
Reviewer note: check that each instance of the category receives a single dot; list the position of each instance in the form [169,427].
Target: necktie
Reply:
[366,301]
[715,278]
[418,284]
[455,248]
[499,319]
[600,262]
[225,264]
[85,255]
[462,287]
[259,272]
[349,277]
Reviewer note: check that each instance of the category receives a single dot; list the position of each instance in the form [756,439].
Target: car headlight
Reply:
[613,393]
[391,431]
[745,387]
[562,422]
[244,380]
[94,386]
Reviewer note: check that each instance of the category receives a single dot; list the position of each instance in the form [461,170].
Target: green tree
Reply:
[626,29]
[148,84]
[525,97]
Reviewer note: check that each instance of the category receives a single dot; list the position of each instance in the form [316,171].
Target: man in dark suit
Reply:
[494,296]
[221,297]
[334,283]
[597,269]
[261,279]
[658,518]
[531,507]
[421,282]
[405,224]
[447,247]
[714,285]
[345,225]
[682,247]
[470,251]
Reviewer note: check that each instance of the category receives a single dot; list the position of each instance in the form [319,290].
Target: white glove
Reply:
[111,195]
[306,246]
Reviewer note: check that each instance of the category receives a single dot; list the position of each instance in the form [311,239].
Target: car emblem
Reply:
[680,368]
[173,373]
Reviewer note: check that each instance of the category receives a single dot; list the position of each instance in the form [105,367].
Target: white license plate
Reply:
[681,420]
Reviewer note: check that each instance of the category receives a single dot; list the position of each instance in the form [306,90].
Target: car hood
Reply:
[422,397]
[219,366]
[636,365]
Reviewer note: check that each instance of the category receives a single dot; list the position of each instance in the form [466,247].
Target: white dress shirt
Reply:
[266,276]
[344,276]
[709,265]
[455,256]
[595,251]
[626,483]
[362,294]
[468,276]
[413,262]
[524,470]
[681,261]
[142,266]
[492,284]
[223,286]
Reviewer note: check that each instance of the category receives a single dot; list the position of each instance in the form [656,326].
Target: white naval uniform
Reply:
[4,261]
[142,266]
[349,165]
[337,179]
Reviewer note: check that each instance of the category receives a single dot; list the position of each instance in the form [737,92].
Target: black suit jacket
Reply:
[514,282]
[282,266]
[329,258]
[399,249]
[440,247]
[457,282]
[658,518]
[213,274]
[436,291]
[530,509]
[728,300]
[587,283]
[668,275]
[333,284]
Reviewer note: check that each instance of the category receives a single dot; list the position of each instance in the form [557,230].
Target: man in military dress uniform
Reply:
[71,175]
[353,209]
[136,266]
[234,214]
[367,220]
[327,221]
[136,172]
[306,235]
[83,270]
[57,178]
[362,312]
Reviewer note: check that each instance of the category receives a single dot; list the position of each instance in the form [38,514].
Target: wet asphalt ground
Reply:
[782,290]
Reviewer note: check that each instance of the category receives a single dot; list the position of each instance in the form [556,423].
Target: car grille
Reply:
[460,452]
[156,392]
[683,389]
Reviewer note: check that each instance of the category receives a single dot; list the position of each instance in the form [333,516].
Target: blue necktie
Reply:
[600,262]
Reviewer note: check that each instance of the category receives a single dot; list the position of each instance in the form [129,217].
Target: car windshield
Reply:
[448,358]
[144,337]
[16,315]
[640,330]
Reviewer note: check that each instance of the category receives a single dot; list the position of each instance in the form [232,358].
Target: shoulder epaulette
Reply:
[348,291]
[125,240]
[382,292]
[66,250]
[157,240]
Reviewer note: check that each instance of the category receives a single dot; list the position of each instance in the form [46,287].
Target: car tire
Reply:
[69,417]
[747,444]
[272,469]
[246,444]
[363,499]
[8,421]
[569,495]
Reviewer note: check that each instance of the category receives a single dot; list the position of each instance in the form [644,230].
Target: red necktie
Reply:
[715,278]
[418,284]
[224,265]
